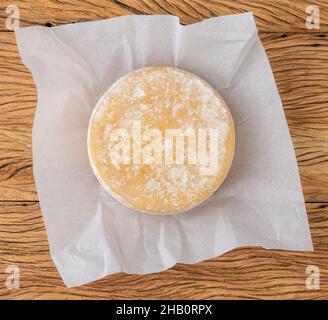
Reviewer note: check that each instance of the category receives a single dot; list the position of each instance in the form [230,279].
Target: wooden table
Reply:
[299,59]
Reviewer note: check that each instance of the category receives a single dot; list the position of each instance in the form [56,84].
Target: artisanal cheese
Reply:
[161,140]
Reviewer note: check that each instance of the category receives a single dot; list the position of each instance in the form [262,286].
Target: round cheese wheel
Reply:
[161,140]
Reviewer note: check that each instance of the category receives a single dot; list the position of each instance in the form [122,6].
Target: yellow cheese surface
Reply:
[130,160]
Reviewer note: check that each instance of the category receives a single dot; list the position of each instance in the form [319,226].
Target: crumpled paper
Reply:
[90,234]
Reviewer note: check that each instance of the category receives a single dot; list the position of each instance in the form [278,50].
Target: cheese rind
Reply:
[133,146]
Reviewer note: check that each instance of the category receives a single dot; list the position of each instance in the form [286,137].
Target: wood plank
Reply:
[270,15]
[242,273]
[299,63]
[17,105]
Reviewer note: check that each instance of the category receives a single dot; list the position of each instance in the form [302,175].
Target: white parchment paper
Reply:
[90,234]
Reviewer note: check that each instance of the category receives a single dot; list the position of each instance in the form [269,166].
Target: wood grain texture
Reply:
[17,105]
[270,15]
[248,273]
[299,59]
[299,63]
